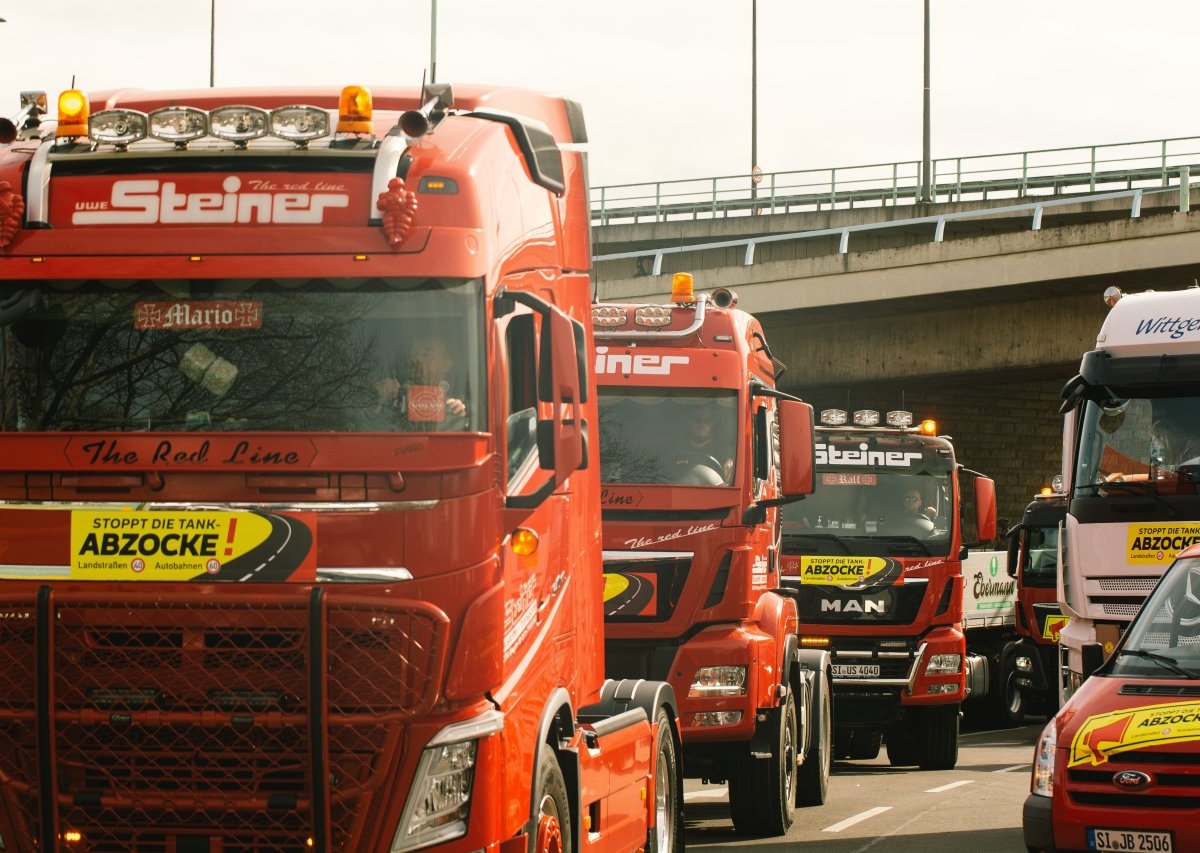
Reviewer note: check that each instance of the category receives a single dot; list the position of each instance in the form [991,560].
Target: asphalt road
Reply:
[974,808]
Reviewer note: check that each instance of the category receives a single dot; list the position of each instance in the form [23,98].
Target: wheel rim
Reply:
[664,803]
[549,831]
[787,764]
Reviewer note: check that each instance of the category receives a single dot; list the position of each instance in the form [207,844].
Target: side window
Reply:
[520,346]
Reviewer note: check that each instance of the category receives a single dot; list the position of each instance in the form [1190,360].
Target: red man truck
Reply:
[697,451]
[875,558]
[1033,548]
[299,513]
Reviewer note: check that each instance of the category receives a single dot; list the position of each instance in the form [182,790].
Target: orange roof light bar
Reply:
[682,291]
[354,111]
[73,114]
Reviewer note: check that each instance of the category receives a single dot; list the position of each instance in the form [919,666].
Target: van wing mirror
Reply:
[797,459]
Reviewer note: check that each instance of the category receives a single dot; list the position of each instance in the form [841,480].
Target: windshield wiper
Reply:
[824,537]
[1162,660]
[1133,487]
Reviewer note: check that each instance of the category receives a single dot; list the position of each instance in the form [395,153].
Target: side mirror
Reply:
[562,382]
[1014,551]
[562,391]
[985,508]
[1093,657]
[797,453]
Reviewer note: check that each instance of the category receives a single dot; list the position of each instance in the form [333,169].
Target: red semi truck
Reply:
[875,558]
[299,513]
[1115,769]
[697,452]
[1033,549]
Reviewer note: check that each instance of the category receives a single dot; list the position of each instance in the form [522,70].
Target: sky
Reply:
[666,84]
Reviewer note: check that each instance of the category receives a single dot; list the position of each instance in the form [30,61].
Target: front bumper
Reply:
[1037,825]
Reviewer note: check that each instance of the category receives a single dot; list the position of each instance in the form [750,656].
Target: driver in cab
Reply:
[702,457]
[911,516]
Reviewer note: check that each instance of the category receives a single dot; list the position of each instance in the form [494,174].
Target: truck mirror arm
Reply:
[760,390]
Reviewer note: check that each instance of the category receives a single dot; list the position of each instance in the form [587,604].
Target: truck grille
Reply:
[160,722]
[1175,781]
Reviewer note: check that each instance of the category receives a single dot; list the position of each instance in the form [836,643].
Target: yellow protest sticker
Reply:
[1054,626]
[1157,544]
[1105,735]
[840,571]
[181,546]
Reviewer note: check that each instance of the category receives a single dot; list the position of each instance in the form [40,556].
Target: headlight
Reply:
[719,681]
[439,800]
[944,664]
[1042,783]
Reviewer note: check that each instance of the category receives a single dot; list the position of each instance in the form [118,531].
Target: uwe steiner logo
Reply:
[1131,780]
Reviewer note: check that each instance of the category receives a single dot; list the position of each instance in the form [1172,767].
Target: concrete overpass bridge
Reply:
[973,307]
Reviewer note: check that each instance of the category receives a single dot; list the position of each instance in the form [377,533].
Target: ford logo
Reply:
[1131,780]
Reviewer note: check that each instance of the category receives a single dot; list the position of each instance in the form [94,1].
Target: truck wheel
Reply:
[668,818]
[937,738]
[1012,708]
[551,811]
[762,792]
[863,744]
[902,745]
[812,779]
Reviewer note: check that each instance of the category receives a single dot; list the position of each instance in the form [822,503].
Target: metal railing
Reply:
[1034,209]
[1048,172]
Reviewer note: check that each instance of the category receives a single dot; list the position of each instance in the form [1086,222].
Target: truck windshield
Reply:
[1164,639]
[1039,556]
[1130,444]
[680,436]
[318,355]
[877,488]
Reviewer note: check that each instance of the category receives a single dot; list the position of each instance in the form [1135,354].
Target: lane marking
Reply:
[1010,769]
[858,818]
[941,788]
[705,795]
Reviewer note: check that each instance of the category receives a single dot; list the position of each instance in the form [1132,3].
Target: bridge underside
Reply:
[980,332]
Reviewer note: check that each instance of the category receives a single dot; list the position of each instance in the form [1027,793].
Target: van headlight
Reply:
[439,800]
[1042,782]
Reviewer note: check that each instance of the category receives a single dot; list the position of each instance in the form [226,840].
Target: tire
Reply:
[666,835]
[902,745]
[812,777]
[551,808]
[937,738]
[762,792]
[1010,710]
[863,744]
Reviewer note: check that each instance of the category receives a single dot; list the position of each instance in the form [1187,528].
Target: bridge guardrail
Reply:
[1049,171]
[1034,209]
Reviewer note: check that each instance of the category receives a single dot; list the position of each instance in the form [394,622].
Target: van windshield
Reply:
[316,355]
[1164,639]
